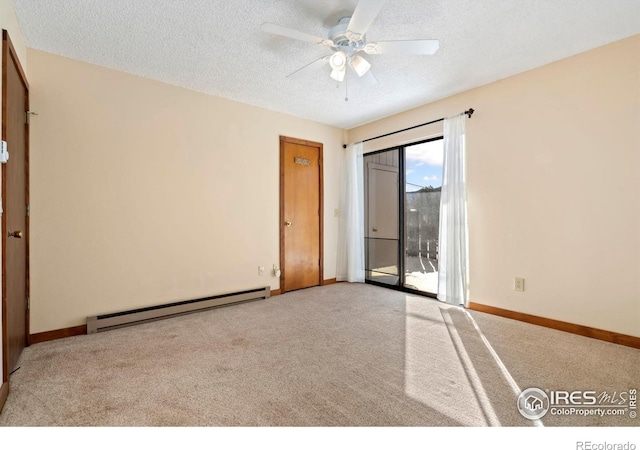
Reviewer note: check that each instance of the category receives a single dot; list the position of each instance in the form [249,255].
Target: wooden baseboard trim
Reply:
[4,393]
[57,334]
[595,333]
[275,292]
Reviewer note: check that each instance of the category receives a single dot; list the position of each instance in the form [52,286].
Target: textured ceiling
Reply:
[216,46]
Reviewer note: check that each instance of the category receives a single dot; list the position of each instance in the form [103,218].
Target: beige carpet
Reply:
[340,355]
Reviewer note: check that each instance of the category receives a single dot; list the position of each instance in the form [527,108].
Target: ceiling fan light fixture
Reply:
[360,65]
[338,61]
[338,75]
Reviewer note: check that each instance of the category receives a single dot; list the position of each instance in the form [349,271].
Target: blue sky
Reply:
[424,165]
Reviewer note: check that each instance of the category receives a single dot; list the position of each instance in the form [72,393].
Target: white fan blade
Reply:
[309,67]
[416,47]
[294,34]
[367,79]
[366,11]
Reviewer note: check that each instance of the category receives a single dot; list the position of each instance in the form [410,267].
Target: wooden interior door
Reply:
[301,214]
[15,131]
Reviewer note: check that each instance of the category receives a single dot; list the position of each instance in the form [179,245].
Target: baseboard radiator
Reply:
[106,322]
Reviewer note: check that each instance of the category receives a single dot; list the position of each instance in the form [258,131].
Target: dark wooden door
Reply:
[300,214]
[15,104]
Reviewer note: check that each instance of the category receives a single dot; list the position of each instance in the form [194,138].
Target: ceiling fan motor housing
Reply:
[344,39]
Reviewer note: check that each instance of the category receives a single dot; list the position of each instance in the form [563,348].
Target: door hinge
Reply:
[28,302]
[28,210]
[27,115]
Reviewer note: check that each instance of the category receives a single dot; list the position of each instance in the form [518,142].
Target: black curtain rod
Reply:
[469,112]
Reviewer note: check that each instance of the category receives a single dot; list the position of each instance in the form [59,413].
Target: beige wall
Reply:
[9,22]
[554,187]
[144,193]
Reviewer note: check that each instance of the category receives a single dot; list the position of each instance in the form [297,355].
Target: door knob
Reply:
[288,224]
[15,234]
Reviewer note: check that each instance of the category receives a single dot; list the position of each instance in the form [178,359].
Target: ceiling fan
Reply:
[347,40]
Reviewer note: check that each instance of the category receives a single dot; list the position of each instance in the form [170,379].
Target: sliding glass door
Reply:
[402,225]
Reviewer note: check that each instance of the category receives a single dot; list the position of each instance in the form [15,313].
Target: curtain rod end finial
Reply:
[469,112]
[344,145]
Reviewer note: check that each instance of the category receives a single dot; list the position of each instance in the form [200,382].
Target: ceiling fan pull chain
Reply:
[346,87]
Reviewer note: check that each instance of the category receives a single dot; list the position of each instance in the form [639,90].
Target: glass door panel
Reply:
[382,237]
[423,185]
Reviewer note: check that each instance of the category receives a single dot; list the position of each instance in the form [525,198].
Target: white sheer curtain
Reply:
[350,263]
[453,266]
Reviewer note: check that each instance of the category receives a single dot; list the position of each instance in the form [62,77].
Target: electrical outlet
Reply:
[519,284]
[276,271]
[260,270]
